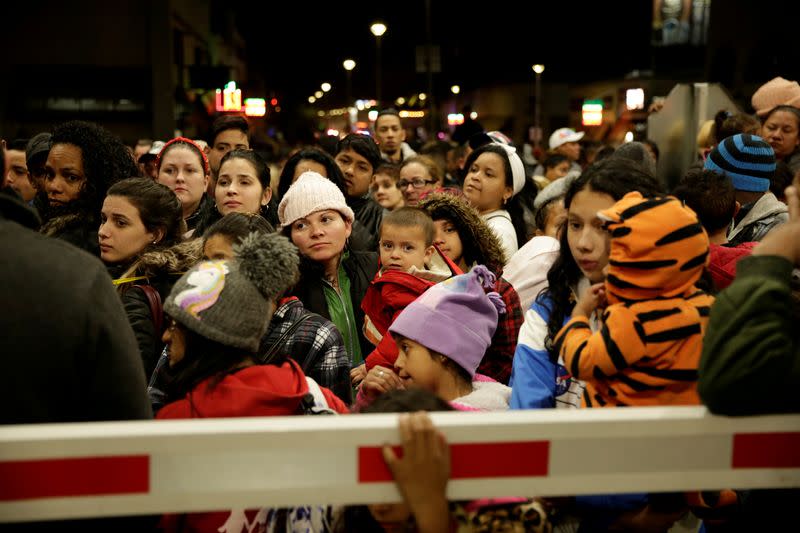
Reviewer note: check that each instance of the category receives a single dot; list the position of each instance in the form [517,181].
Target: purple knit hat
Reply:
[455,318]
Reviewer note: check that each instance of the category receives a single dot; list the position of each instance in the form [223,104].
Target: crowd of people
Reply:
[194,279]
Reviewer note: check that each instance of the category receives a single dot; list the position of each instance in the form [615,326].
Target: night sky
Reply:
[480,44]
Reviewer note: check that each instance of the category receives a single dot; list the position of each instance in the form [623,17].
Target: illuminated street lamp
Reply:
[455,89]
[318,94]
[378,29]
[349,65]
[312,99]
[538,69]
[325,87]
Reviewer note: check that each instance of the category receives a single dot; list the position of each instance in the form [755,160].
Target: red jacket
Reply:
[386,297]
[261,390]
[722,263]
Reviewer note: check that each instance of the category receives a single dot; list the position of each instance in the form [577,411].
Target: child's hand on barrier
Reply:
[423,471]
[591,298]
[358,374]
[380,380]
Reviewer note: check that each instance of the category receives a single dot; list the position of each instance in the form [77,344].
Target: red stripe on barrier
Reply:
[85,476]
[766,450]
[469,461]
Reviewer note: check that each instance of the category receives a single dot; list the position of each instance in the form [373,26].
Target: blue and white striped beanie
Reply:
[747,159]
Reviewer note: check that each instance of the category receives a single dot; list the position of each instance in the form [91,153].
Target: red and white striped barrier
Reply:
[126,468]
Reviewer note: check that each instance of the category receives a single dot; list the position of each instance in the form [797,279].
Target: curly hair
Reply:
[106,160]
[615,177]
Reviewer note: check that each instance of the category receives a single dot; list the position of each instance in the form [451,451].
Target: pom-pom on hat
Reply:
[231,302]
[309,194]
[455,318]
[746,159]
[775,92]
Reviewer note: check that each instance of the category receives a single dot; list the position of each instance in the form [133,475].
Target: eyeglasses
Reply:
[418,183]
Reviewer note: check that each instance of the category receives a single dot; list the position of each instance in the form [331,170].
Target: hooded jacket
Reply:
[648,349]
[481,246]
[388,294]
[160,269]
[764,215]
[259,390]
[723,259]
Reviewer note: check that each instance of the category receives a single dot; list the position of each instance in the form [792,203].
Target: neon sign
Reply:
[230,98]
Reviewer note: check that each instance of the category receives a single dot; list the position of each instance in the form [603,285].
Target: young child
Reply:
[443,336]
[555,166]
[711,195]
[410,265]
[384,187]
[648,349]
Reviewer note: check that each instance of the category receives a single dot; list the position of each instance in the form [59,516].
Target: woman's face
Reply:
[182,171]
[415,172]
[308,165]
[448,240]
[238,189]
[122,234]
[386,192]
[485,185]
[64,175]
[588,240]
[321,236]
[781,132]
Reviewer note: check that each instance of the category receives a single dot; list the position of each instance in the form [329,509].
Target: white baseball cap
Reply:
[563,136]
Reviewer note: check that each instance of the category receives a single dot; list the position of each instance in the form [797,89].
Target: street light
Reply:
[318,94]
[378,29]
[349,65]
[455,89]
[325,86]
[311,99]
[538,69]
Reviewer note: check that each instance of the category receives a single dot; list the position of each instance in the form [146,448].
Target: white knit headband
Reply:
[517,168]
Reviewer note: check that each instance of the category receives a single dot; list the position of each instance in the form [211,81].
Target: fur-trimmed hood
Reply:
[480,244]
[176,259]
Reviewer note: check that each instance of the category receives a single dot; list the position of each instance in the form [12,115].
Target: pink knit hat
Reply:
[309,194]
[775,92]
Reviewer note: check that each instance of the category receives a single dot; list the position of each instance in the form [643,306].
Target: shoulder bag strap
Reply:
[273,349]
[156,309]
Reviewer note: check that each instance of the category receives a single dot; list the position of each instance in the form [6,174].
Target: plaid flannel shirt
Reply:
[499,357]
[316,345]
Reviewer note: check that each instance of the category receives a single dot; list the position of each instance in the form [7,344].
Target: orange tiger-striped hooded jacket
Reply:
[648,349]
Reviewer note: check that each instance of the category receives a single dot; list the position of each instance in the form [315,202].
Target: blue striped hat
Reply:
[747,159]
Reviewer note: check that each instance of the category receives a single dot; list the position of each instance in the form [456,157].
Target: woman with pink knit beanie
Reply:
[333,279]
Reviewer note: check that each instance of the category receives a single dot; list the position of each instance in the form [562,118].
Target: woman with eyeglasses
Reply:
[419,175]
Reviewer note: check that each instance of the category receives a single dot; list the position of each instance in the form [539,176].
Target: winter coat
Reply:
[723,260]
[360,268]
[764,215]
[259,390]
[316,345]
[160,269]
[750,362]
[79,229]
[500,223]
[527,270]
[388,294]
[68,348]
[481,246]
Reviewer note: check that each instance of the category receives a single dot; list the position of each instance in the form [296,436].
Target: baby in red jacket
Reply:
[410,265]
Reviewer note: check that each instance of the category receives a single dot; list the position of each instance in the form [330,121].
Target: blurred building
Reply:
[142,69]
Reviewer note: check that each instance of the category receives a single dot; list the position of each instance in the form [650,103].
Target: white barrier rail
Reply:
[126,468]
